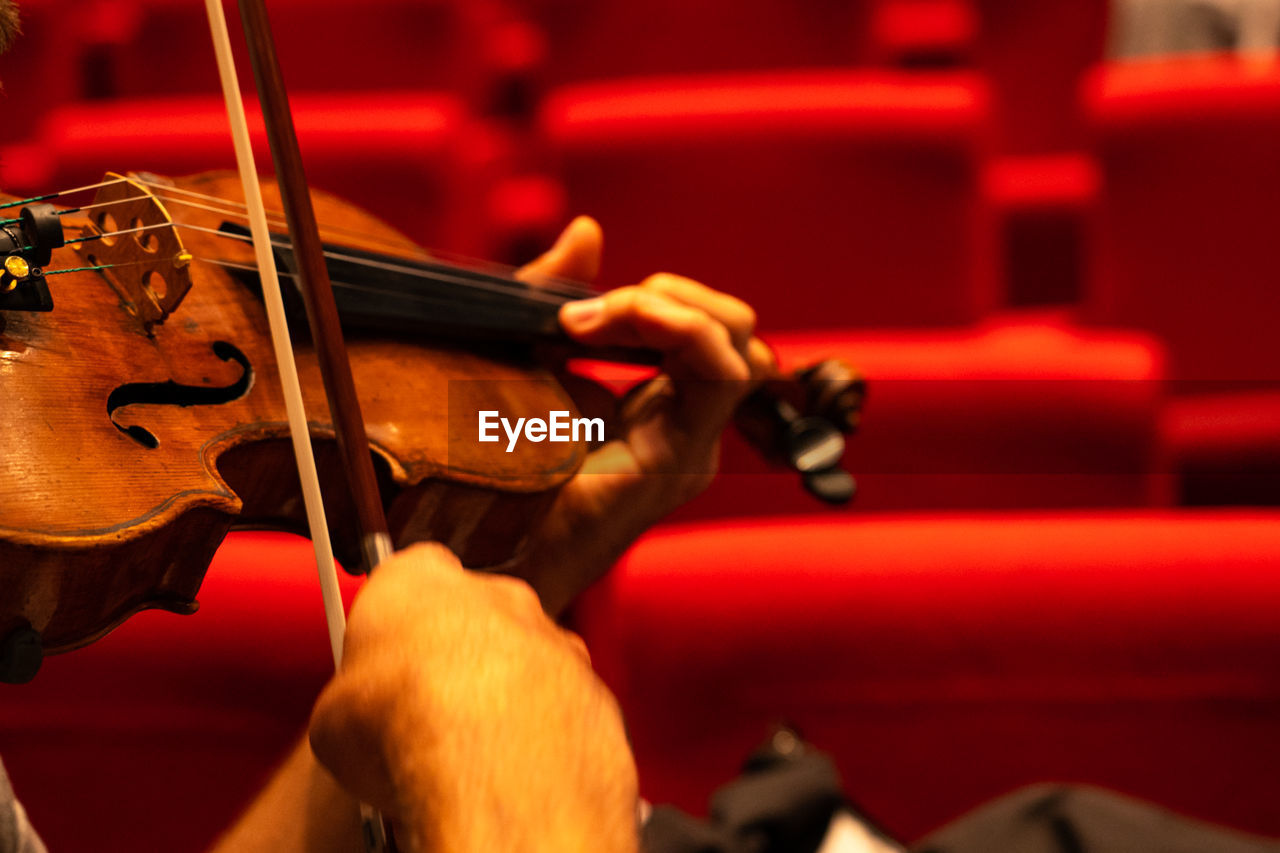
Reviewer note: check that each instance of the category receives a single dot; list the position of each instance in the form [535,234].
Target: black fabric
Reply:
[782,803]
[1067,819]
[670,830]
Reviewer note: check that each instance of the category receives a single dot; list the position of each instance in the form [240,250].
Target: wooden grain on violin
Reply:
[95,524]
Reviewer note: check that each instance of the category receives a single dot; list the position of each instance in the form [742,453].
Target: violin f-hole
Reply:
[174,394]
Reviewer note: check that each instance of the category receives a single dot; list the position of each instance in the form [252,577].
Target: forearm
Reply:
[520,800]
[302,810]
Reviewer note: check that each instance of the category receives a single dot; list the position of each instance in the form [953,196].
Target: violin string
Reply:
[96,267]
[426,298]
[537,292]
[82,208]
[545,282]
[59,194]
[532,294]
[552,284]
[569,284]
[545,292]
[102,235]
[503,289]
[240,210]
[276,215]
[461,281]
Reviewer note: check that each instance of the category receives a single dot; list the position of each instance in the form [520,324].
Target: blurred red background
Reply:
[1056,271]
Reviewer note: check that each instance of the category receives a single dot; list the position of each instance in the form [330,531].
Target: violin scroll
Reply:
[800,423]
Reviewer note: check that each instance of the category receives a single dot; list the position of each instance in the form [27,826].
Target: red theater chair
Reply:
[415,161]
[143,48]
[1042,188]
[824,199]
[1013,413]
[1042,205]
[155,737]
[944,660]
[42,68]
[1184,247]
[923,33]
[603,39]
[1035,55]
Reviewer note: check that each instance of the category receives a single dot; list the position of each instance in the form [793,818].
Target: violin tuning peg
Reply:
[833,486]
[834,391]
[813,445]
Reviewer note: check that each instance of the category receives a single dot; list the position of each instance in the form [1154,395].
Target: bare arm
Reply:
[491,732]
[302,810]
[463,713]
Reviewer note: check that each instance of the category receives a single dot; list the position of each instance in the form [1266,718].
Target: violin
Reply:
[144,411]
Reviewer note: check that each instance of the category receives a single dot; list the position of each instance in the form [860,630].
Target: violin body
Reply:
[132,446]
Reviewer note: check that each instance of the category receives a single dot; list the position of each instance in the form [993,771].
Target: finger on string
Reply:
[762,360]
[575,254]
[737,316]
[695,344]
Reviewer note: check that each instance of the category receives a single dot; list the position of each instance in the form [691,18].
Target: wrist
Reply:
[561,787]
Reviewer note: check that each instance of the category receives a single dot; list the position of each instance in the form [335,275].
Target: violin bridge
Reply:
[133,241]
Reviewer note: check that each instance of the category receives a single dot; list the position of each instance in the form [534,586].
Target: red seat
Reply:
[40,69]
[1014,413]
[146,48]
[824,199]
[417,162]
[603,39]
[923,33]
[1225,447]
[1185,236]
[1184,246]
[945,660]
[1035,55]
[1042,205]
[155,737]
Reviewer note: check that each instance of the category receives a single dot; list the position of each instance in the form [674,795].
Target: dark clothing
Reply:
[1066,819]
[790,799]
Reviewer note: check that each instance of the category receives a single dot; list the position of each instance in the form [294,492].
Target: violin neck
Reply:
[428,299]
[383,294]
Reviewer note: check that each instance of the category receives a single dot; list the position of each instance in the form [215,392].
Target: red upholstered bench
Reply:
[1188,215]
[609,39]
[825,199]
[942,659]
[1042,184]
[947,659]
[923,33]
[1185,248]
[1025,411]
[156,736]
[144,48]
[1035,55]
[1042,206]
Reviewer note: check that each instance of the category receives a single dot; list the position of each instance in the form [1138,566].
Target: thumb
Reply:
[575,255]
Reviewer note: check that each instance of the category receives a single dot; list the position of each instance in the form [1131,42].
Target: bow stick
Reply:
[322,316]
